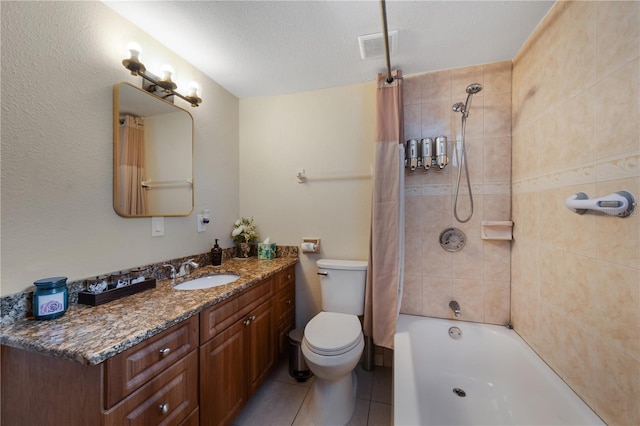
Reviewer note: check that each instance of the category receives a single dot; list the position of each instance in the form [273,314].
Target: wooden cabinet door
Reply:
[262,344]
[223,378]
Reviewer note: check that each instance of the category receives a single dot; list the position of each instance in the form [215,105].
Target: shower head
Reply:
[459,107]
[464,107]
[474,88]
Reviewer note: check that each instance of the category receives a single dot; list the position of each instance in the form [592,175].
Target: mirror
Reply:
[152,155]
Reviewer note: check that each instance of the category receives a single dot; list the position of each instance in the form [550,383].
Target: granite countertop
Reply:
[92,334]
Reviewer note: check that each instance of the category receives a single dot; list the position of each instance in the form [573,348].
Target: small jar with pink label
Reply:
[51,298]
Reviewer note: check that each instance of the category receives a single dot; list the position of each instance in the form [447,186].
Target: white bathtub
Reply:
[505,382]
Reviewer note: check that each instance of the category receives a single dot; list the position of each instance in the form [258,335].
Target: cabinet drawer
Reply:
[218,317]
[134,367]
[166,400]
[283,278]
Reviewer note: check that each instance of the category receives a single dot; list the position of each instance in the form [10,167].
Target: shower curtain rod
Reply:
[385,35]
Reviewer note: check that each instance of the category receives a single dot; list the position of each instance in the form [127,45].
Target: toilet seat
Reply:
[332,333]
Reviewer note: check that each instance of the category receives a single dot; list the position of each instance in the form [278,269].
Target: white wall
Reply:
[60,61]
[327,132]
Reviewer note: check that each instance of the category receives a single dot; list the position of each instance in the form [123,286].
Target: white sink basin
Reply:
[207,282]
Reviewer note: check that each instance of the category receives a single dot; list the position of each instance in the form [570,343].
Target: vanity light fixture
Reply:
[163,83]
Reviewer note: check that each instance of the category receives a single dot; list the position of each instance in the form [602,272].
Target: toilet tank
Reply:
[342,285]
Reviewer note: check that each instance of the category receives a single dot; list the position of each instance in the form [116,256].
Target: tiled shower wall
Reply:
[478,276]
[576,128]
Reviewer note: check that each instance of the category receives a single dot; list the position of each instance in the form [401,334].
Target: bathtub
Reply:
[480,375]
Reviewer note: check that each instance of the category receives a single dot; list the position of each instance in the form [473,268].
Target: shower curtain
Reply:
[386,246]
[133,197]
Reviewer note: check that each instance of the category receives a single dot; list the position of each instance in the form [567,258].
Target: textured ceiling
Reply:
[264,48]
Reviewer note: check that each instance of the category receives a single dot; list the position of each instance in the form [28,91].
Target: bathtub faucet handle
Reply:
[455,307]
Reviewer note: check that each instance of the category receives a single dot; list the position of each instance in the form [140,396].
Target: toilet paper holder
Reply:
[310,245]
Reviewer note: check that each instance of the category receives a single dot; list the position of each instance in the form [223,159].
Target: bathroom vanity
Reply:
[169,357]
[238,343]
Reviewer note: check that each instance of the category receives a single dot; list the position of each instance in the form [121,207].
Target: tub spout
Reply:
[455,307]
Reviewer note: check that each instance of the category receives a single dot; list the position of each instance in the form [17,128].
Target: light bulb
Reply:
[167,72]
[134,50]
[194,88]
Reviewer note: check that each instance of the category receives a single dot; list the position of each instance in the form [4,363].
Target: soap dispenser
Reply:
[216,253]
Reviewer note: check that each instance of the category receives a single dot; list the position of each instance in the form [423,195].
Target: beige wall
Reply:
[60,61]
[576,279]
[478,275]
[329,133]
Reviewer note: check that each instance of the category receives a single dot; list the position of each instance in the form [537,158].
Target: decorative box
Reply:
[266,251]
[94,299]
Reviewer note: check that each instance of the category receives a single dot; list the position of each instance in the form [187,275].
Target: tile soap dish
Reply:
[95,299]
[496,230]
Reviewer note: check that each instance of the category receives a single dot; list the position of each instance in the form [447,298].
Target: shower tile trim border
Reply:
[623,166]
[496,188]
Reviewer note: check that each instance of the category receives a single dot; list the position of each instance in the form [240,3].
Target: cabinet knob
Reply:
[246,322]
[288,302]
[289,276]
[164,352]
[164,408]
[252,318]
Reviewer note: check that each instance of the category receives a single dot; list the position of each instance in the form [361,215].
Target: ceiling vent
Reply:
[372,45]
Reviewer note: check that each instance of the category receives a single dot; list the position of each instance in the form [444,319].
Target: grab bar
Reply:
[621,203]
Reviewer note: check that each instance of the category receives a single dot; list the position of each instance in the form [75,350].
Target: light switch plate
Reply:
[157,226]
[201,226]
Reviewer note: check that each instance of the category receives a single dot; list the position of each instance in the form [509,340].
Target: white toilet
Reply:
[333,342]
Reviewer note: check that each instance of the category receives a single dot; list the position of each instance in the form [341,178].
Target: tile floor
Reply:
[282,401]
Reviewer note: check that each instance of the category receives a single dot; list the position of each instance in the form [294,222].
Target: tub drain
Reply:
[459,392]
[455,333]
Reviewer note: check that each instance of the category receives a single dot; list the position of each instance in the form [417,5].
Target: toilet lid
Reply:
[332,333]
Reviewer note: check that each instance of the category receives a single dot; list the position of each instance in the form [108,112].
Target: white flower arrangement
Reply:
[244,230]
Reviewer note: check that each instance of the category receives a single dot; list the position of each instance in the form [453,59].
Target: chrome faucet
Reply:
[455,307]
[172,271]
[186,266]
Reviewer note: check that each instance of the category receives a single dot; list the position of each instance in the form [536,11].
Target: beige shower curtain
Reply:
[384,273]
[133,197]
